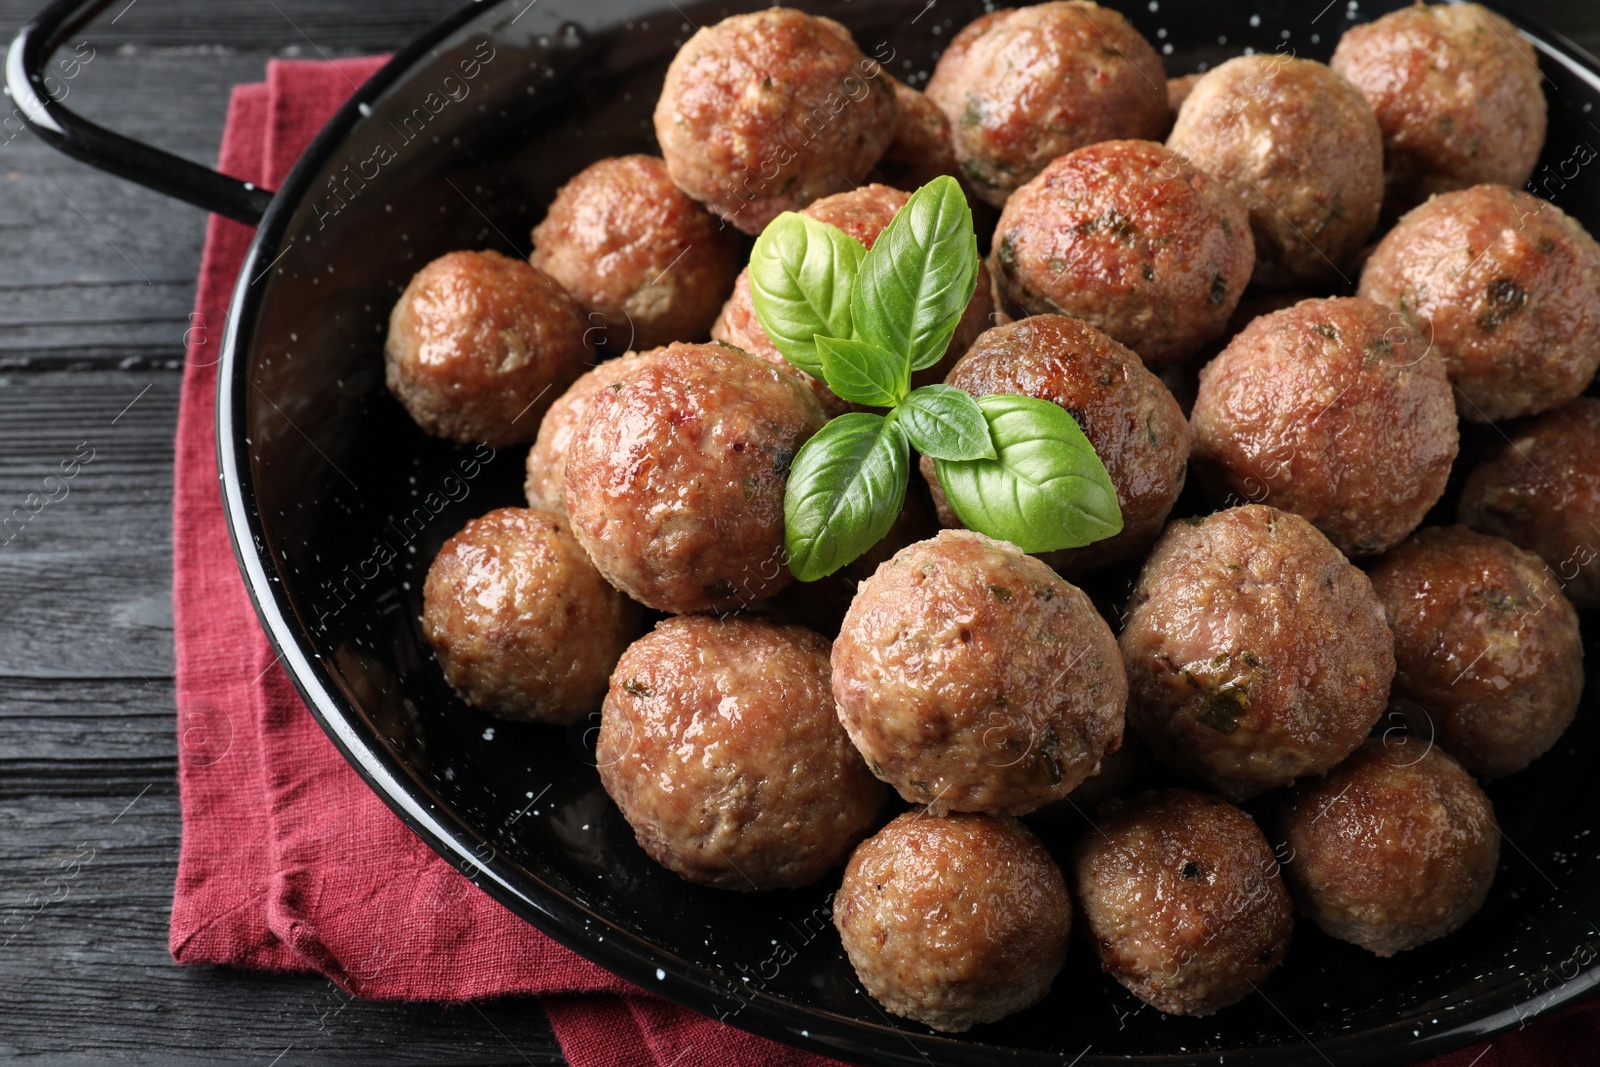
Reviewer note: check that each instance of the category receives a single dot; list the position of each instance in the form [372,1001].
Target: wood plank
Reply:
[85,561]
[86,737]
[100,272]
[128,324]
[85,886]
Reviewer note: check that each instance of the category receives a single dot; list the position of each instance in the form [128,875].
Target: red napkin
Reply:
[289,862]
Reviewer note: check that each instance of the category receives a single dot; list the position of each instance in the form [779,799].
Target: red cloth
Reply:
[289,862]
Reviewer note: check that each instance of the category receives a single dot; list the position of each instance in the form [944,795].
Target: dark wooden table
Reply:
[96,286]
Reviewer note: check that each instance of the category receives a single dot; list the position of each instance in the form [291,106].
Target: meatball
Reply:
[719,742]
[1542,493]
[1334,410]
[1256,654]
[1393,848]
[1184,380]
[920,150]
[1023,86]
[764,113]
[1132,238]
[973,678]
[822,604]
[480,344]
[1129,417]
[546,484]
[863,214]
[954,921]
[1183,900]
[646,262]
[522,624]
[1507,287]
[1178,90]
[676,474]
[1485,644]
[1301,148]
[1457,95]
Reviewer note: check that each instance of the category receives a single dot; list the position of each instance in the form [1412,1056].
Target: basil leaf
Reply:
[945,423]
[845,490]
[915,283]
[801,275]
[862,373]
[1046,489]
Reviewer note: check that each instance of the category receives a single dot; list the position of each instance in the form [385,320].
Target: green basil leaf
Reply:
[845,490]
[915,283]
[862,373]
[1044,491]
[945,423]
[802,273]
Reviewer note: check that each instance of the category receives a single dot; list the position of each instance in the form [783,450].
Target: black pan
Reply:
[320,466]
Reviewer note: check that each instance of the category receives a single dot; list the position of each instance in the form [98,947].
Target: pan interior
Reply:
[350,503]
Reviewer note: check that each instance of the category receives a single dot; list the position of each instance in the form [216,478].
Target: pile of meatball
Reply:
[1333,266]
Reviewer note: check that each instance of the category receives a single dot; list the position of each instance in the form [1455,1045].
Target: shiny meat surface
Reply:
[719,742]
[973,678]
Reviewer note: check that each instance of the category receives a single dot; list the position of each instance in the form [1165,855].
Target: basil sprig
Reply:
[1012,467]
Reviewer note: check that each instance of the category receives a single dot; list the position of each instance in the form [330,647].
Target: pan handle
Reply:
[99,147]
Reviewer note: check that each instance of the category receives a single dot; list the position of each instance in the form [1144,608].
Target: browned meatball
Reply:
[1300,146]
[1184,380]
[480,344]
[1129,236]
[862,213]
[954,921]
[1542,493]
[546,484]
[1393,848]
[973,678]
[1507,287]
[920,151]
[1183,900]
[1262,302]
[1023,86]
[764,113]
[1456,92]
[1485,644]
[1178,90]
[719,742]
[521,622]
[1129,417]
[1256,654]
[1334,410]
[646,262]
[822,604]
[676,474]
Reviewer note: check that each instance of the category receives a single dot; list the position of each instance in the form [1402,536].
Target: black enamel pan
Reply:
[459,142]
